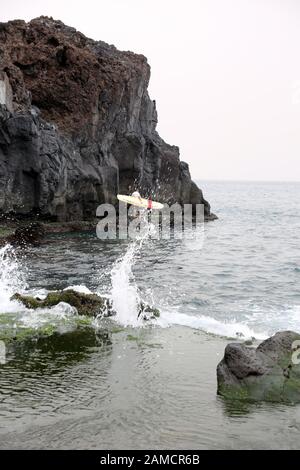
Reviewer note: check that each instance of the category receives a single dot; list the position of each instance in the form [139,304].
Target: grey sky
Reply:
[225,74]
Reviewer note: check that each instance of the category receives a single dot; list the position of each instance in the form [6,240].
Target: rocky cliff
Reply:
[77,126]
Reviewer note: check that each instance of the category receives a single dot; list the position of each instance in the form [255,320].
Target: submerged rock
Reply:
[86,304]
[77,126]
[76,343]
[269,372]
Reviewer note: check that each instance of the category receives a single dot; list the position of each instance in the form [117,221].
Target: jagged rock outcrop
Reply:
[271,372]
[77,126]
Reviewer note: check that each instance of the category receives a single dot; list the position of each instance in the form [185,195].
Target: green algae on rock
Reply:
[267,373]
[18,333]
[90,305]
[86,304]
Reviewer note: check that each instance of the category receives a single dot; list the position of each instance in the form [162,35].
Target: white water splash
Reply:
[126,298]
[49,316]
[79,288]
[125,293]
[210,325]
[12,279]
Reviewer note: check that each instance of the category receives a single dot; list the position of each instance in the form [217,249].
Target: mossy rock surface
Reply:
[86,304]
[269,372]
[19,334]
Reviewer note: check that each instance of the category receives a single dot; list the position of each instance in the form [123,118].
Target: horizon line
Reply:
[244,180]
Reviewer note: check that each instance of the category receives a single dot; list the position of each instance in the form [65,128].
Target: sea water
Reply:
[127,383]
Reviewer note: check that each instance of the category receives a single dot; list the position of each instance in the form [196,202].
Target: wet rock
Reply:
[81,126]
[146,312]
[91,305]
[86,304]
[268,372]
[31,234]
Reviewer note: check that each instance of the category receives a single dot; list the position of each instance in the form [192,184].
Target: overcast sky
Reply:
[225,75]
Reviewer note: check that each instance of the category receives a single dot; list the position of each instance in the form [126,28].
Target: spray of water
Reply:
[125,296]
[124,293]
[12,278]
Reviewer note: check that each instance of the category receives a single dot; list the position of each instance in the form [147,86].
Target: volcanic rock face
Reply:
[77,126]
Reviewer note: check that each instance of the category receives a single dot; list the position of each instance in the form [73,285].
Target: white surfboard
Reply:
[139,202]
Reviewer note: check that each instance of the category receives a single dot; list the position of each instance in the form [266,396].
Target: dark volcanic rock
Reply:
[77,126]
[31,234]
[265,373]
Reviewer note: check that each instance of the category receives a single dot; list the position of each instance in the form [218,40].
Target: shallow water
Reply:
[153,389]
[119,385]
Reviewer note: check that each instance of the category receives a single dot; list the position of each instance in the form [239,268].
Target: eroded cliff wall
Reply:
[77,126]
